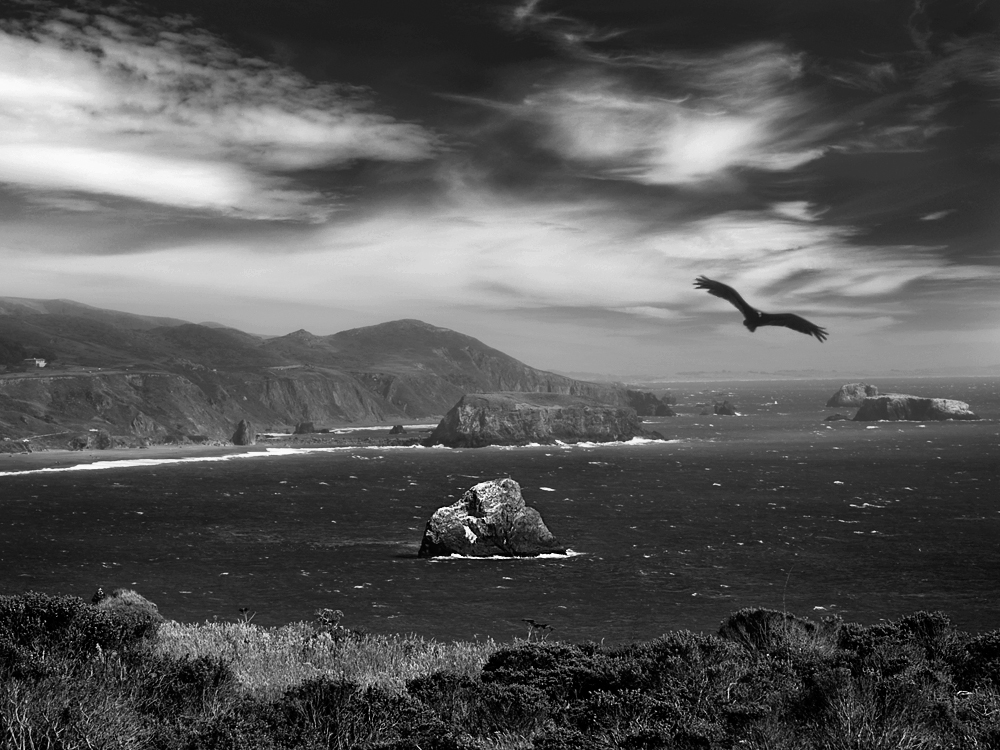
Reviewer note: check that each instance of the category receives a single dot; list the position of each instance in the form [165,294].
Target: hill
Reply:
[161,379]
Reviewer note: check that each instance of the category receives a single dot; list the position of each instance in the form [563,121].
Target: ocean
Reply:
[773,508]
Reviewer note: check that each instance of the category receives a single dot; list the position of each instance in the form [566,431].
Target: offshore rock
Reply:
[490,519]
[305,428]
[481,419]
[852,394]
[899,406]
[245,434]
[647,404]
[837,418]
[725,409]
[397,429]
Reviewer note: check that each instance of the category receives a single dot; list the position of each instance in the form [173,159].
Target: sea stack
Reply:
[245,433]
[489,520]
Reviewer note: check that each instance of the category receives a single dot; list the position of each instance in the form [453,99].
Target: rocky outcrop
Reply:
[899,406]
[852,394]
[245,433]
[482,419]
[725,409]
[93,440]
[490,519]
[305,428]
[837,418]
[397,429]
[142,426]
[647,404]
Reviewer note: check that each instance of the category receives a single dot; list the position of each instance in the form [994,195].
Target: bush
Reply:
[466,704]
[77,675]
[36,628]
[981,665]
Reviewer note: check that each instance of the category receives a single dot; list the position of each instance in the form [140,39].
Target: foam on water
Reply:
[129,463]
[273,452]
[545,556]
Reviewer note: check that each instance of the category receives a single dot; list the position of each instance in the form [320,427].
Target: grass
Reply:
[115,675]
[268,661]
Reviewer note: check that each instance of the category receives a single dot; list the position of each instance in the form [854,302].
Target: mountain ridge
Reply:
[117,372]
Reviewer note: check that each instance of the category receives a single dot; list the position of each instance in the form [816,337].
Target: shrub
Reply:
[466,704]
[36,628]
[767,631]
[981,666]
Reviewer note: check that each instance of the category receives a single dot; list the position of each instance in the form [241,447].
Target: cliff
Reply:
[899,406]
[166,379]
[483,419]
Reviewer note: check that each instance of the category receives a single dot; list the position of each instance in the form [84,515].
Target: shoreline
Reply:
[64,458]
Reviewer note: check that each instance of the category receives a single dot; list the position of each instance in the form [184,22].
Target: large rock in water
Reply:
[490,519]
[725,409]
[648,405]
[245,434]
[481,419]
[899,406]
[852,394]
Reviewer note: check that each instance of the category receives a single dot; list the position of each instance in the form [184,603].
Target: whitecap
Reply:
[128,463]
[544,556]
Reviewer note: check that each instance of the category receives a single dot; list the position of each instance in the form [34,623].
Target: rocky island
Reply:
[481,419]
[852,394]
[900,406]
[490,519]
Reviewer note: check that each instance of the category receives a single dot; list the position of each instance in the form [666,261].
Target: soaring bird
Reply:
[753,318]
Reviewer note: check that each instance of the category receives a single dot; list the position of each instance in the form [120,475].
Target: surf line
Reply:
[129,463]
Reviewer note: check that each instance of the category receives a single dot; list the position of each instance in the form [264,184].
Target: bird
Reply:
[754,318]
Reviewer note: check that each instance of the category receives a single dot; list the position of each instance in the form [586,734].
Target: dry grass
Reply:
[267,661]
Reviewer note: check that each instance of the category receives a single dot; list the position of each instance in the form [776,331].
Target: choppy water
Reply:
[773,508]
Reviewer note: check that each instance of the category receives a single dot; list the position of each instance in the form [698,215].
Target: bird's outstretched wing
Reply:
[727,293]
[793,321]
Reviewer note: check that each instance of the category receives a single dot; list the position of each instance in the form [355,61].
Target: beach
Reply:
[343,436]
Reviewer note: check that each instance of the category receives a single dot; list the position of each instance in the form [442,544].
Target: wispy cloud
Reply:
[704,115]
[487,253]
[158,111]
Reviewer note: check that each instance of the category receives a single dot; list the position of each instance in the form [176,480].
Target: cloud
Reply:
[706,115]
[487,253]
[160,111]
[937,215]
[800,210]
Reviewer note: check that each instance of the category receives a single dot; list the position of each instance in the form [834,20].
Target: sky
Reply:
[547,176]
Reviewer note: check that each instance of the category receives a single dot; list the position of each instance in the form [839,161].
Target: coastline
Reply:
[63,458]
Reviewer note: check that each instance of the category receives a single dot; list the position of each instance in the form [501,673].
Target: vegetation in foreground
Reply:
[114,675]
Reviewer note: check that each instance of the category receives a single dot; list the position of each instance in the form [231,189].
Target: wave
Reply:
[128,463]
[545,556]
[584,444]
